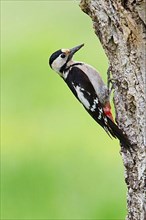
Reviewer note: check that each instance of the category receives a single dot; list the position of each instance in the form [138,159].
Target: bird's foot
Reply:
[110,81]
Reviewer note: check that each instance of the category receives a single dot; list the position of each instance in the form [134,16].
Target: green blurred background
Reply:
[56,162]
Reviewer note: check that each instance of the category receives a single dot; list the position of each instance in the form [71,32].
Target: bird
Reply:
[88,87]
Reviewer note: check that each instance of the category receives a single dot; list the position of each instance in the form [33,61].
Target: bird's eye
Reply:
[63,55]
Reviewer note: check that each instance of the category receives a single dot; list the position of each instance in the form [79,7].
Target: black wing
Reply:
[84,91]
[82,88]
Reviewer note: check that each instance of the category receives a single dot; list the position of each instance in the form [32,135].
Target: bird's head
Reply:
[59,60]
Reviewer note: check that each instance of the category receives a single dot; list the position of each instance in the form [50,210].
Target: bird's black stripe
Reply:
[63,68]
[75,64]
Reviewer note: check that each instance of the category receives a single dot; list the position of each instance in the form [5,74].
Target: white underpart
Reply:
[93,108]
[81,97]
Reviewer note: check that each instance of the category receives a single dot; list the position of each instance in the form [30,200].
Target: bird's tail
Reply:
[117,133]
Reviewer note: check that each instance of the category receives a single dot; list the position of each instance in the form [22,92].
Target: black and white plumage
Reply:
[89,88]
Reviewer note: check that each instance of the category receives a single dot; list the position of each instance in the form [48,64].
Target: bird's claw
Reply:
[110,81]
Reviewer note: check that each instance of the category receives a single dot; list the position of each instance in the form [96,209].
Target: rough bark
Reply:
[121,27]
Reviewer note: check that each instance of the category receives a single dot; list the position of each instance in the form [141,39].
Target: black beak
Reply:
[74,50]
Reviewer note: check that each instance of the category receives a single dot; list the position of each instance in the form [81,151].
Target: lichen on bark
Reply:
[121,28]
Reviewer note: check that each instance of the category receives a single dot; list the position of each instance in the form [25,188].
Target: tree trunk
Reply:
[120,26]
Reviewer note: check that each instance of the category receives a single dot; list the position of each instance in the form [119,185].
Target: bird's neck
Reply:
[69,65]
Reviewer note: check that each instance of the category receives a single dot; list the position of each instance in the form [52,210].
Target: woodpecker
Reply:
[88,87]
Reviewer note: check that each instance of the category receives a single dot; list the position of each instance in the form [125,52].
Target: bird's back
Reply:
[97,82]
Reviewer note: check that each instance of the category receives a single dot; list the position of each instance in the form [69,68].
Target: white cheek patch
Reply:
[81,97]
[58,63]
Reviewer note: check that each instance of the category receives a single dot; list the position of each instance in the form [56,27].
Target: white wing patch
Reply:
[93,107]
[100,115]
[81,97]
[105,120]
